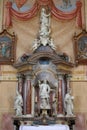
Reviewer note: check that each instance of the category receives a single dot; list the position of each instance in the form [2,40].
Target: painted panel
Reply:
[65,5]
[26,6]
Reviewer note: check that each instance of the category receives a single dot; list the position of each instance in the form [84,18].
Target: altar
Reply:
[48,127]
[43,95]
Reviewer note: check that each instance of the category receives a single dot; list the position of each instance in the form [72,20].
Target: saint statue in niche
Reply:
[44,93]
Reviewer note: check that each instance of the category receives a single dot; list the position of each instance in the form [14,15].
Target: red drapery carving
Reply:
[21,16]
[44,2]
[69,15]
[8,19]
[33,11]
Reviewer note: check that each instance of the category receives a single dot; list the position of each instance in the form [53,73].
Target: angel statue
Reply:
[18,104]
[69,103]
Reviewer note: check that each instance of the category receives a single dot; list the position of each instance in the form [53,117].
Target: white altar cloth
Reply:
[45,127]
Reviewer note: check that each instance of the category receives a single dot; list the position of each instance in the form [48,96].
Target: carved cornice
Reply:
[34,58]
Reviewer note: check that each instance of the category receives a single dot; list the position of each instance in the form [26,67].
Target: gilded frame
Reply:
[80,48]
[7,47]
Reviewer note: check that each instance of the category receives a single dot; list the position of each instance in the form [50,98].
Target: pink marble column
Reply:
[60,100]
[20,83]
[28,96]
[51,101]
[68,81]
[24,96]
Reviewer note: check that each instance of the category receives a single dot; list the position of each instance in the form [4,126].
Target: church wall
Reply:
[62,33]
[7,95]
[79,89]
[28,32]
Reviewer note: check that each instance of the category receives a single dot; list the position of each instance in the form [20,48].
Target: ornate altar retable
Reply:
[43,81]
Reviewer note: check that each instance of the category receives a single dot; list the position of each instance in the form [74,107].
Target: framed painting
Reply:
[7,48]
[80,48]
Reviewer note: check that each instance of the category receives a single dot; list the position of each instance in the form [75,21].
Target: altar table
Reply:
[45,127]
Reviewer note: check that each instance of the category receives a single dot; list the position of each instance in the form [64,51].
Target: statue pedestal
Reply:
[44,112]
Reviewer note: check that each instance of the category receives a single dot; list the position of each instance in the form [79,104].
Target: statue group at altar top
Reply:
[44,32]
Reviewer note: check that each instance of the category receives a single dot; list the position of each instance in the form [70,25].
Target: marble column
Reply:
[20,83]
[60,100]
[24,95]
[68,81]
[51,101]
[28,95]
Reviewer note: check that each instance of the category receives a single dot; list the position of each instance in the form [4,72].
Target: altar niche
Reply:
[43,87]
[46,85]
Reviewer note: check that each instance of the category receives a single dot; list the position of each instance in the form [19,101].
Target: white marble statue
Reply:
[45,18]
[44,40]
[45,23]
[35,44]
[44,32]
[69,103]
[52,44]
[18,103]
[54,105]
[44,93]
